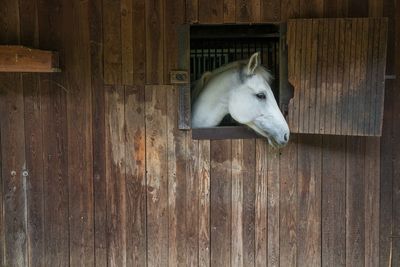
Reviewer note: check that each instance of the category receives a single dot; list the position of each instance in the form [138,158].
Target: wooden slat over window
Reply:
[337,69]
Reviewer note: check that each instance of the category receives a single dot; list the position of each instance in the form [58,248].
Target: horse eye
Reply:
[261,96]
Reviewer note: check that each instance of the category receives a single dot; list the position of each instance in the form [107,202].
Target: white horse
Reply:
[241,89]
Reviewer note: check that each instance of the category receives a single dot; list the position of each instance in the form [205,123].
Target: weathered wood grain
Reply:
[261,207]
[396,155]
[54,124]
[288,199]
[273,207]
[243,199]
[157,176]
[135,154]
[248,11]
[220,202]
[174,18]
[333,239]
[348,66]
[177,173]
[79,125]
[13,167]
[127,38]
[309,162]
[116,194]
[98,132]
[33,140]
[211,13]
[229,10]
[112,42]
[355,214]
[270,11]
[155,38]
[139,41]
[372,201]
[192,11]
[204,175]
[194,185]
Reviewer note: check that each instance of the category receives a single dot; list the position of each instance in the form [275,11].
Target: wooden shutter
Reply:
[337,70]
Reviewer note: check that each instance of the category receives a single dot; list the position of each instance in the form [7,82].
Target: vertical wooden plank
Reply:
[13,166]
[311,8]
[381,72]
[313,77]
[270,11]
[329,103]
[304,68]
[346,77]
[98,132]
[237,235]
[386,175]
[220,202]
[248,11]
[55,141]
[331,9]
[363,76]
[324,30]
[127,39]
[358,8]
[333,201]
[335,70]
[33,140]
[297,28]
[288,204]
[115,175]
[292,78]
[192,11]
[243,216]
[309,200]
[34,166]
[371,201]
[273,207]
[55,172]
[374,31]
[139,41]
[79,123]
[174,18]
[396,153]
[177,153]
[229,11]
[305,109]
[354,88]
[392,11]
[112,42]
[155,42]
[192,202]
[340,76]
[261,203]
[355,218]
[204,174]
[320,64]
[352,80]
[211,12]
[12,148]
[135,149]
[157,182]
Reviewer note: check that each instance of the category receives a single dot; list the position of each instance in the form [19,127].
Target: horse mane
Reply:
[201,83]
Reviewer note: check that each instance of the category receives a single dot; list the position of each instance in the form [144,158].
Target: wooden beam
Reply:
[15,58]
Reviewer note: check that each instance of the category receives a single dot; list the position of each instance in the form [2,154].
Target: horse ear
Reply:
[253,63]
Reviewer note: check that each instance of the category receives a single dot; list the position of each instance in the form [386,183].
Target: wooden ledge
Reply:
[16,58]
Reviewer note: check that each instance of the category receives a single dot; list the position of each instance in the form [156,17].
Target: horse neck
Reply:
[212,105]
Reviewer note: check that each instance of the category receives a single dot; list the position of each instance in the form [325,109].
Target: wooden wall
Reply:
[95,172]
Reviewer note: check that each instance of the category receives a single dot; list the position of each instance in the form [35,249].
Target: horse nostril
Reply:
[285,137]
